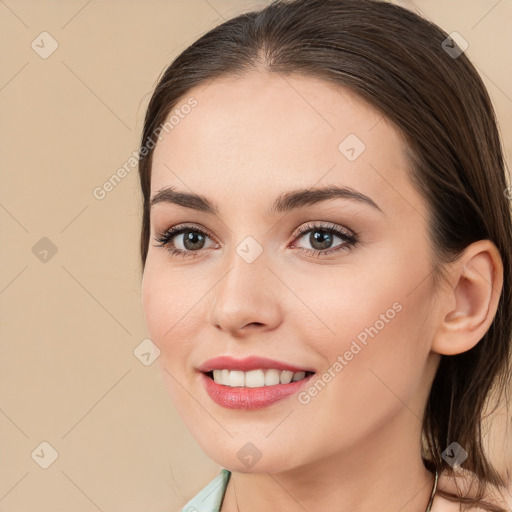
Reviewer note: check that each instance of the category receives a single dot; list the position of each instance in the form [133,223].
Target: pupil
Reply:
[192,236]
[321,238]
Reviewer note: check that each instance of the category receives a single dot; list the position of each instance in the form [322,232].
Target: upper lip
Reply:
[247,364]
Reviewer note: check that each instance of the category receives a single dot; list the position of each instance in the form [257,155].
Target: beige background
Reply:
[70,323]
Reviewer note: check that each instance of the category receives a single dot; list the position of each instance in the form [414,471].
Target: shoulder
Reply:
[462,481]
[443,505]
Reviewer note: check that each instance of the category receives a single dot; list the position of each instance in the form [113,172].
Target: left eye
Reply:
[320,236]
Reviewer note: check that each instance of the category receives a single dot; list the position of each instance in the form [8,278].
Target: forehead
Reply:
[257,135]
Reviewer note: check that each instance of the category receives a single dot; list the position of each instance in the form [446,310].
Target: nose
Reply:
[246,297]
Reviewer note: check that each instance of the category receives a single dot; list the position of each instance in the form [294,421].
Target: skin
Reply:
[356,445]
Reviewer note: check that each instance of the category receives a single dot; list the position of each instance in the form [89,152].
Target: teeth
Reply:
[255,378]
[236,379]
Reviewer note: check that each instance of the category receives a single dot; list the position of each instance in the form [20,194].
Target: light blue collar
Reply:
[209,499]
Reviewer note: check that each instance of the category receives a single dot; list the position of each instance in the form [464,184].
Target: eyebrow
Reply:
[284,203]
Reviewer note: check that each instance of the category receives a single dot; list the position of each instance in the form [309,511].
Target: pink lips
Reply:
[247,364]
[250,398]
[244,397]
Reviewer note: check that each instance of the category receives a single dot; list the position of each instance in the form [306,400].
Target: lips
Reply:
[249,363]
[251,398]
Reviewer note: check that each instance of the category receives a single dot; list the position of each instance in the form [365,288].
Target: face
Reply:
[339,286]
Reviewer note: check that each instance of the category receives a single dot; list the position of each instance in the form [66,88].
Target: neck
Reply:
[383,471]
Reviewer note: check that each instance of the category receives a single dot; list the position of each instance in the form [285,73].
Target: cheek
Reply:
[343,306]
[384,348]
[161,309]
[171,309]
[152,302]
[371,327]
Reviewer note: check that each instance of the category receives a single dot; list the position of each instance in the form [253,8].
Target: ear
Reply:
[468,302]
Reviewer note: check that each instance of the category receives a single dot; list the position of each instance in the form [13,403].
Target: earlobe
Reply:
[471,300]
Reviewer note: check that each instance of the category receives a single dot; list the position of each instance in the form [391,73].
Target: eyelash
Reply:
[349,240]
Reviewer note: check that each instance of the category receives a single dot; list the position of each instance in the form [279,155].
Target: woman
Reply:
[326,247]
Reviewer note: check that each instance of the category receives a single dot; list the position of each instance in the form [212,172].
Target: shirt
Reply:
[209,499]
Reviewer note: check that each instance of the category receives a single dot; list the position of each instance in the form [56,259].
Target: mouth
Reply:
[257,394]
[255,378]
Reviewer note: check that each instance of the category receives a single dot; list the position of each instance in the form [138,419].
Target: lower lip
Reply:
[250,398]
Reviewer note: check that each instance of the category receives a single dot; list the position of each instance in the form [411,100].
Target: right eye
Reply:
[193,240]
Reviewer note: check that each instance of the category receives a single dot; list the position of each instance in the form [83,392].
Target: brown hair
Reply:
[396,61]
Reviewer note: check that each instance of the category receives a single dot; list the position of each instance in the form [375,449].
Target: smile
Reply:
[256,378]
[251,398]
